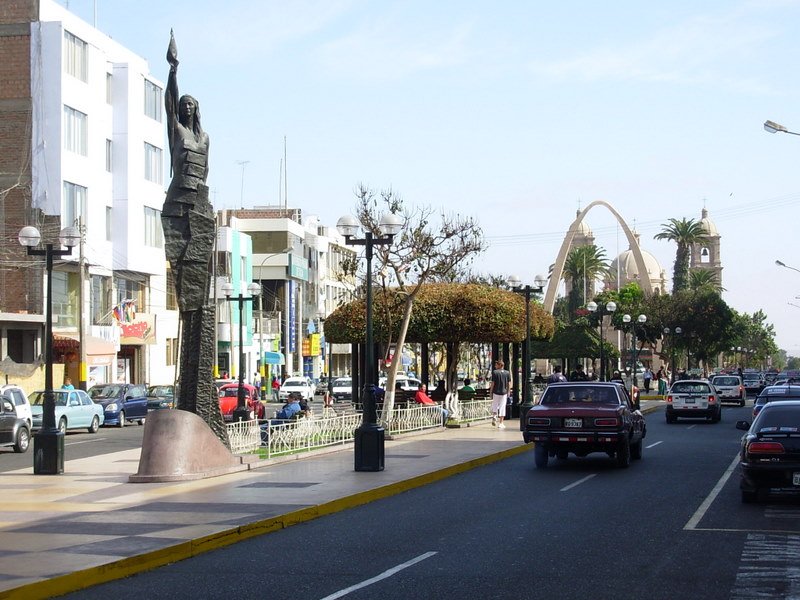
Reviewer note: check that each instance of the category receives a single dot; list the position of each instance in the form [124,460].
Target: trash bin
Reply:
[511,408]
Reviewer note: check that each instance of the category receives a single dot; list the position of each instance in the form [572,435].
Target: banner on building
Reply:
[140,331]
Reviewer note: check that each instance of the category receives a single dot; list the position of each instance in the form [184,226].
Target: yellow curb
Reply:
[125,567]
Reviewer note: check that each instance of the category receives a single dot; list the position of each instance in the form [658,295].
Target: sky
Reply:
[516,113]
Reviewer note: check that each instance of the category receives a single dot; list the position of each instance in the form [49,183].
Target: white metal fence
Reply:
[309,433]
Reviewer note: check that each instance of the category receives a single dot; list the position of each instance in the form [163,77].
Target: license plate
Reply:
[796,478]
[689,400]
[573,422]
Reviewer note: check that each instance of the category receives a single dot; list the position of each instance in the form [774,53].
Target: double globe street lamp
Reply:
[641,320]
[241,412]
[608,309]
[516,286]
[48,443]
[369,437]
[672,333]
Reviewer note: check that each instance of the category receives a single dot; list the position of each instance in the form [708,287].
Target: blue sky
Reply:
[515,112]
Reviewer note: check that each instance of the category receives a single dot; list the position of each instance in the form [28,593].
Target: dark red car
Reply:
[585,417]
[229,397]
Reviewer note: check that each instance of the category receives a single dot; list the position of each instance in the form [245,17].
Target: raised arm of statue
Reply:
[171,96]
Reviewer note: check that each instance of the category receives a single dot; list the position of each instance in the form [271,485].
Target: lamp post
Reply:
[241,413]
[784,265]
[262,371]
[369,437]
[608,309]
[773,127]
[672,333]
[48,443]
[641,319]
[516,286]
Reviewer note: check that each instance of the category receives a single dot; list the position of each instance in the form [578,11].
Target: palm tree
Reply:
[704,279]
[685,233]
[584,264]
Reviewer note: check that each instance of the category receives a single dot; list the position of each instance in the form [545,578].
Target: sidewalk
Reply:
[66,532]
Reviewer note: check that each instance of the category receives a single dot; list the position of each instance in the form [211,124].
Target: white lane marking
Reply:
[703,508]
[85,441]
[767,568]
[377,578]
[692,426]
[580,481]
[653,445]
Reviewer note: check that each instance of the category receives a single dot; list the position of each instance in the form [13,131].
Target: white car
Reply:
[409,384]
[20,401]
[693,398]
[729,388]
[297,384]
[343,389]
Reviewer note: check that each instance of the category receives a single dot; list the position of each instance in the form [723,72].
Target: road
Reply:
[672,525]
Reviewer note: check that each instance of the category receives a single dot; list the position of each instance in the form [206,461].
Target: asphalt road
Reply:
[670,526]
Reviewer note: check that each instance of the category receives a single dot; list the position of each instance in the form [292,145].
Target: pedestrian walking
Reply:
[499,389]
[276,388]
[556,375]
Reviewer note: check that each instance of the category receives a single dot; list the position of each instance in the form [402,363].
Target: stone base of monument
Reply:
[180,446]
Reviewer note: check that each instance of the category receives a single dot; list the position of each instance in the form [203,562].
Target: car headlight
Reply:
[112,406]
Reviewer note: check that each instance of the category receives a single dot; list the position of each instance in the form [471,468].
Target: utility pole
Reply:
[83,378]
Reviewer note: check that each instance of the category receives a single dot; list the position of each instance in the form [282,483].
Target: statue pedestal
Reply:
[180,446]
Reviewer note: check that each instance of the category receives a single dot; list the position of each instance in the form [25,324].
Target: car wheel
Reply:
[670,419]
[540,456]
[23,440]
[562,454]
[717,416]
[141,421]
[121,419]
[62,425]
[624,453]
[95,424]
[749,496]
[741,402]
[636,450]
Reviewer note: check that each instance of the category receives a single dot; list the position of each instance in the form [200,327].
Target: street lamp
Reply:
[262,371]
[610,307]
[48,443]
[641,319]
[773,127]
[672,333]
[241,413]
[516,286]
[781,264]
[369,437]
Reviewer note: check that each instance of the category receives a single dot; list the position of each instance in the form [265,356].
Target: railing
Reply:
[309,433]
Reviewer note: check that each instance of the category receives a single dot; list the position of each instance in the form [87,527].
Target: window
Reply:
[101,300]
[109,163]
[172,295]
[109,80]
[75,131]
[109,214]
[74,203]
[65,298]
[152,100]
[75,56]
[152,228]
[172,352]
[128,289]
[153,164]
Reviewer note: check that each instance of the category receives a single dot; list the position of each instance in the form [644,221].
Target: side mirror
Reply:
[743,425]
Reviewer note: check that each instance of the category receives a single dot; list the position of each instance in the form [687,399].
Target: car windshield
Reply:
[104,391]
[751,376]
[726,381]
[37,398]
[160,390]
[342,382]
[690,388]
[227,392]
[294,384]
[580,394]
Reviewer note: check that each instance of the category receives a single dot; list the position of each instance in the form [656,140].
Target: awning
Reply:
[273,358]
[98,350]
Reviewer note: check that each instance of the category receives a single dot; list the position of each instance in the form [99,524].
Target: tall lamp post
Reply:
[369,437]
[48,443]
[608,309]
[773,127]
[672,333]
[241,413]
[641,319]
[516,285]
[784,265]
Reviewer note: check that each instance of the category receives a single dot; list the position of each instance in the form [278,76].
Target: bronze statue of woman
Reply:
[189,229]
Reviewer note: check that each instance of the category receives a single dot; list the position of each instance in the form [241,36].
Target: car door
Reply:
[135,402]
[77,416]
[8,418]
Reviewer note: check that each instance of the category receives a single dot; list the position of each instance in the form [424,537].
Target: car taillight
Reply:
[541,422]
[669,398]
[765,448]
[741,389]
[605,422]
[710,399]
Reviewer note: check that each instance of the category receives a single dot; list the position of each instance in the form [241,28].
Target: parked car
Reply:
[585,417]
[753,382]
[729,388]
[160,396]
[229,400]
[74,410]
[20,401]
[322,386]
[409,384]
[343,389]
[297,384]
[121,402]
[694,398]
[770,451]
[773,393]
[14,430]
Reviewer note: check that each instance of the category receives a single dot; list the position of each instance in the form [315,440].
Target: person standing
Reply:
[499,389]
[648,377]
[67,384]
[556,375]
[276,388]
[578,374]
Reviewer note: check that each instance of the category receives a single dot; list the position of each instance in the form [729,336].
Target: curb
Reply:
[125,567]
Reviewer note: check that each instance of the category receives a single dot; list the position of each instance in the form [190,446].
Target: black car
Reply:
[14,430]
[770,453]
